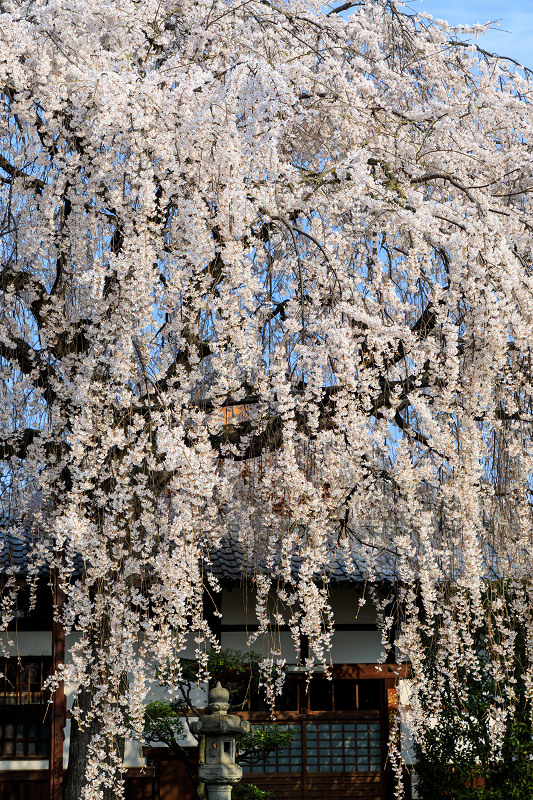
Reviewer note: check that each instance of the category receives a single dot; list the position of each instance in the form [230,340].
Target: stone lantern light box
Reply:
[220,771]
[220,751]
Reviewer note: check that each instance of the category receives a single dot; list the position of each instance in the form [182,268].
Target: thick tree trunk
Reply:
[80,738]
[78,751]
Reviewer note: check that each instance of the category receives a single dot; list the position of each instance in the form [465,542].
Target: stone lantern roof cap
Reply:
[218,699]
[217,721]
[220,724]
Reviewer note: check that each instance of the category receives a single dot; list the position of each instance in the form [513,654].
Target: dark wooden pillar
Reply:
[59,705]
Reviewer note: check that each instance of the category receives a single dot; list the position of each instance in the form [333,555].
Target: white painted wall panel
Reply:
[22,764]
[264,644]
[27,643]
[238,606]
[356,647]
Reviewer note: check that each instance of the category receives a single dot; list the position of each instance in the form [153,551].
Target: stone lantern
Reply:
[220,771]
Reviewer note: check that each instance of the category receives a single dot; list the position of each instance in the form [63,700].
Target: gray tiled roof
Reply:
[13,554]
[228,564]
[231,564]
[19,542]
[349,562]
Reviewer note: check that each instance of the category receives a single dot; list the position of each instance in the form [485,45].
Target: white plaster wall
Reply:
[72,688]
[190,649]
[66,743]
[238,606]
[347,646]
[27,643]
[407,747]
[18,765]
[352,647]
[280,643]
[356,647]
[132,753]
[407,740]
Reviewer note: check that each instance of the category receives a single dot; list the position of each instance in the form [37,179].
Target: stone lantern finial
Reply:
[218,699]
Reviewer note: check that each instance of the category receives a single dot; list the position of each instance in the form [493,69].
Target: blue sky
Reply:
[515,37]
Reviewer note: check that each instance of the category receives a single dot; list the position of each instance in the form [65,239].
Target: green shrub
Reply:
[250,792]
[457,761]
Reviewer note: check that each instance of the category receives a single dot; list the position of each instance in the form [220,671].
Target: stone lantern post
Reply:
[220,771]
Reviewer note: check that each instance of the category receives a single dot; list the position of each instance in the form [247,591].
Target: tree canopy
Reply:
[265,272]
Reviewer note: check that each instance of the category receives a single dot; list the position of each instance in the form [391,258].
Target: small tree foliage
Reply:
[250,792]
[167,721]
[260,743]
[164,722]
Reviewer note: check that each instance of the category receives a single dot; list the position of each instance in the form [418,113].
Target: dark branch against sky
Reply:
[512,36]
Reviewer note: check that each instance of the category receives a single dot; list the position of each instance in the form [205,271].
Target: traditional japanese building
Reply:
[341,725]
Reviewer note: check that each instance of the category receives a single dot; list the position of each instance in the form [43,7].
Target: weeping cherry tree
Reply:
[265,274]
